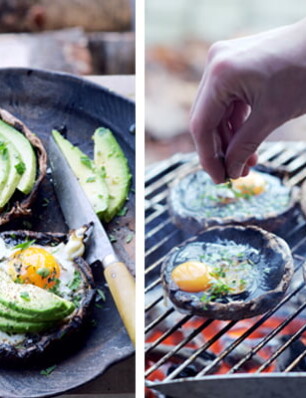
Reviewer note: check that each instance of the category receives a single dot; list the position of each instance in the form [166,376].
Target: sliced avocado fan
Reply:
[28,308]
[26,167]
[13,177]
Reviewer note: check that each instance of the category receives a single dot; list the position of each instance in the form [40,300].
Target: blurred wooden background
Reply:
[178,35]
[75,36]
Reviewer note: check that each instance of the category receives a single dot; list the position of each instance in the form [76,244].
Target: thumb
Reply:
[244,144]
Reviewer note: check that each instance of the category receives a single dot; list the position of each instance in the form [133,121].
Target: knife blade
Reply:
[78,211]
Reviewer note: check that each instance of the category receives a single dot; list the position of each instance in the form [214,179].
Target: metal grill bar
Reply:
[251,330]
[169,177]
[158,228]
[252,352]
[168,333]
[158,212]
[150,306]
[159,319]
[179,346]
[153,285]
[154,265]
[295,362]
[160,243]
[282,349]
[201,349]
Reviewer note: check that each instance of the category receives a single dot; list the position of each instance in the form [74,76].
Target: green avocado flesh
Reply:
[13,177]
[109,157]
[14,326]
[90,178]
[28,308]
[10,313]
[4,165]
[26,154]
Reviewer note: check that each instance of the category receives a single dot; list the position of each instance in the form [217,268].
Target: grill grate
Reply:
[198,336]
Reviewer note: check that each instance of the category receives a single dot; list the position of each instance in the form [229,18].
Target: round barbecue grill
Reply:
[186,355]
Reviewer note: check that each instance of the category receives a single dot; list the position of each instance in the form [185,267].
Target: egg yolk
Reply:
[252,184]
[192,276]
[34,265]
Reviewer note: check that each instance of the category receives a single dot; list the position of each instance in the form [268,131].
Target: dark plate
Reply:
[43,101]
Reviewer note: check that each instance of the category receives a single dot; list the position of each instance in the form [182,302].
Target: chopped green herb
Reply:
[100,295]
[129,238]
[91,179]
[112,238]
[123,211]
[93,323]
[43,272]
[102,172]
[24,245]
[54,289]
[20,167]
[3,150]
[86,161]
[76,300]
[98,305]
[25,296]
[48,371]
[46,201]
[76,281]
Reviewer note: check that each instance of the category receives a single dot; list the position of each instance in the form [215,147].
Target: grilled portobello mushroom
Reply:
[228,273]
[20,203]
[49,345]
[196,203]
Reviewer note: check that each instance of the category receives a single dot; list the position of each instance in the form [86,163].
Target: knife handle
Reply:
[122,286]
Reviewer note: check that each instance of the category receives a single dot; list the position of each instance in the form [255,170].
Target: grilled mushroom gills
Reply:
[266,268]
[20,204]
[32,347]
[195,202]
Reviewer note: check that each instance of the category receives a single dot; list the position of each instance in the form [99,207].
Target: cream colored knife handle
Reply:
[122,286]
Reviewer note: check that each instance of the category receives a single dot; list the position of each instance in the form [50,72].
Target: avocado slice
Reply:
[109,157]
[27,165]
[10,313]
[17,326]
[4,165]
[34,301]
[91,179]
[13,176]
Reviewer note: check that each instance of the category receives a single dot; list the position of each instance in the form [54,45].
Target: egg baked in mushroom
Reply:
[261,198]
[230,272]
[46,288]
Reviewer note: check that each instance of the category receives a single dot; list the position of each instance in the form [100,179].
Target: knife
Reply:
[78,211]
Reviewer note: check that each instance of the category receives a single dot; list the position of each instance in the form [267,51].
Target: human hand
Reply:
[249,87]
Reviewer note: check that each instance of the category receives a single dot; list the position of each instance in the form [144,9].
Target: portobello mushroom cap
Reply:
[274,271]
[20,205]
[187,186]
[49,345]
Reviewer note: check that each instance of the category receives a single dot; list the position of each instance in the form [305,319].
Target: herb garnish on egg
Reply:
[215,269]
